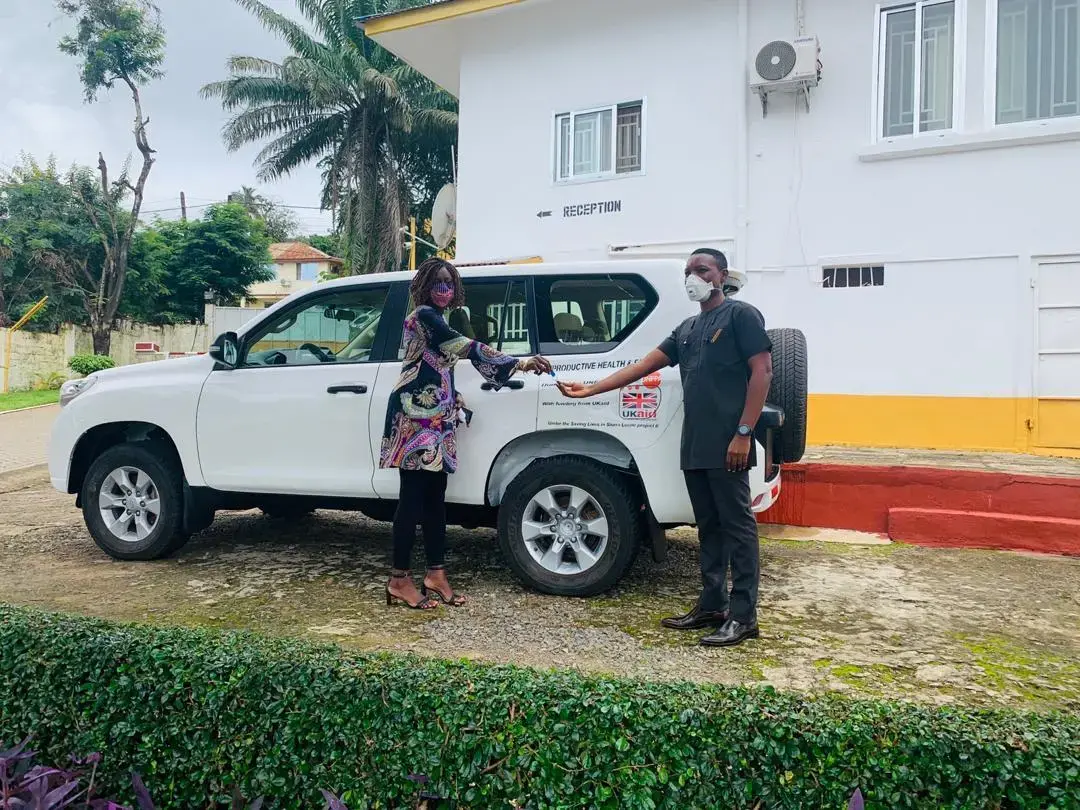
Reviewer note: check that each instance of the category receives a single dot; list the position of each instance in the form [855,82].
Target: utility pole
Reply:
[183,207]
[412,243]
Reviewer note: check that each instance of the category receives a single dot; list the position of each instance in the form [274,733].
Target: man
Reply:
[724,357]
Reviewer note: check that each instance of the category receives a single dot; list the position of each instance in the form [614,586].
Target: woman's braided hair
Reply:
[425,279]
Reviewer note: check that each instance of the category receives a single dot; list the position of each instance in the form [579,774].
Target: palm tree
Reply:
[252,201]
[347,105]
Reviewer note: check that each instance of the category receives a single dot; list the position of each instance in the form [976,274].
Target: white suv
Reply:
[287,416]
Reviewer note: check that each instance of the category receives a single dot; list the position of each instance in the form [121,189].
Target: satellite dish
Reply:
[736,280]
[444,216]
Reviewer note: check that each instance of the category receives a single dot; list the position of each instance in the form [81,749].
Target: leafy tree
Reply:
[370,122]
[173,264]
[6,277]
[281,224]
[116,41]
[330,244]
[46,239]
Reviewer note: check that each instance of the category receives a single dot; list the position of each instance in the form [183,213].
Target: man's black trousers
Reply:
[728,534]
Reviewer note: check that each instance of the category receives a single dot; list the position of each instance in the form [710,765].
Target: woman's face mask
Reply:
[698,289]
[442,294]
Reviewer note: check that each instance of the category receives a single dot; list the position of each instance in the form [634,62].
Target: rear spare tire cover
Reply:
[788,390]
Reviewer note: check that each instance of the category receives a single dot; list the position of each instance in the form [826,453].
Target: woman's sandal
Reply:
[454,600]
[427,603]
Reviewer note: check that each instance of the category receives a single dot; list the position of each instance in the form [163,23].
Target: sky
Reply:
[42,111]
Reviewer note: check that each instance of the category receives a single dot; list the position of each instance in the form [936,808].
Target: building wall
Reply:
[35,356]
[522,69]
[942,355]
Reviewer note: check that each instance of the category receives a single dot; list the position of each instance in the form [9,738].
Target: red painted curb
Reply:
[843,496]
[955,529]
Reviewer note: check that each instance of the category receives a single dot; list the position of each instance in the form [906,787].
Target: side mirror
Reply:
[226,350]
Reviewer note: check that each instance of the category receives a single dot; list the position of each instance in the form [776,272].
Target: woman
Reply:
[421,425]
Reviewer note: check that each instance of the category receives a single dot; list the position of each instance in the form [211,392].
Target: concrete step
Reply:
[954,528]
[848,496]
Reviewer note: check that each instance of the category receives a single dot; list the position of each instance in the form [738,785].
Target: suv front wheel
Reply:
[569,526]
[132,500]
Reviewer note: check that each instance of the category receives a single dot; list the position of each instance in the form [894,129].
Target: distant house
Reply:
[297,267]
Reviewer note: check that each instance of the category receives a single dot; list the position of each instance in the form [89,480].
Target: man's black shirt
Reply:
[712,351]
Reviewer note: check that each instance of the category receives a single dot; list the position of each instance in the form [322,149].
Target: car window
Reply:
[336,328]
[492,317]
[590,314]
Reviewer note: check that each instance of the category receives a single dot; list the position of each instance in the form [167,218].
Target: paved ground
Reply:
[941,626]
[24,437]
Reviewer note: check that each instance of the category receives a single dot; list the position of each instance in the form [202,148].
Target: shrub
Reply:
[87,364]
[196,712]
[52,381]
[37,787]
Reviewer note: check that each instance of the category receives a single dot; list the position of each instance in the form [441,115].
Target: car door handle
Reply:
[513,385]
[347,389]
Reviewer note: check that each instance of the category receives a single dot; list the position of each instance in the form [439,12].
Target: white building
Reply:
[962,236]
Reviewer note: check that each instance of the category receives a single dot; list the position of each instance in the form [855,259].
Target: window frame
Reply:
[877,125]
[258,328]
[871,270]
[594,177]
[1067,122]
[540,289]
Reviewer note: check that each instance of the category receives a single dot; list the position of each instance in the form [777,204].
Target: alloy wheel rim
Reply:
[565,530]
[130,504]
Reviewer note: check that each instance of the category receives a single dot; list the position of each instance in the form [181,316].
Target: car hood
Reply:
[157,368]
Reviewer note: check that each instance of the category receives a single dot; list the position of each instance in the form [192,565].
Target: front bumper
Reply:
[66,432]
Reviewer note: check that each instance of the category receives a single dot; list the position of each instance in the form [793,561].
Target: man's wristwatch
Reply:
[745,431]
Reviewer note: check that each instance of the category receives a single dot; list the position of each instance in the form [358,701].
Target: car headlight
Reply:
[72,389]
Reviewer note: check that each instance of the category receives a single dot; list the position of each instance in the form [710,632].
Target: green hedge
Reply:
[199,712]
[87,364]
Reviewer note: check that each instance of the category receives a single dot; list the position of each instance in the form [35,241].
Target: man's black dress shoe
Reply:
[731,633]
[696,620]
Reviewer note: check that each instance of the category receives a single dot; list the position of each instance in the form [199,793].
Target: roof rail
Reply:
[498,262]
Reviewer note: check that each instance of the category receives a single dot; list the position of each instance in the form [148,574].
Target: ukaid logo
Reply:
[639,402]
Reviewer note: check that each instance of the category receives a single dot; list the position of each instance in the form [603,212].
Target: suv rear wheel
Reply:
[569,526]
[132,500]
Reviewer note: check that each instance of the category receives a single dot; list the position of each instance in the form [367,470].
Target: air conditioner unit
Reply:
[792,67]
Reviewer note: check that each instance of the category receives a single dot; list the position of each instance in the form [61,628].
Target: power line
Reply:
[222,202]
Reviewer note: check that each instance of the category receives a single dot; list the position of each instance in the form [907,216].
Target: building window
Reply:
[922,79]
[599,143]
[862,276]
[1038,60]
[308,271]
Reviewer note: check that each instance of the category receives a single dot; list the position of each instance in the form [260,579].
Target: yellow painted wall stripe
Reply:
[946,423]
[425,15]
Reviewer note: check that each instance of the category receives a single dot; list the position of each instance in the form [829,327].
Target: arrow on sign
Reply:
[543,214]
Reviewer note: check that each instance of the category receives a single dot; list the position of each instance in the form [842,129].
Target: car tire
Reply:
[129,475]
[788,390]
[603,560]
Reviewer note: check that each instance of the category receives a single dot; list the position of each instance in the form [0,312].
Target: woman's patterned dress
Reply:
[422,417]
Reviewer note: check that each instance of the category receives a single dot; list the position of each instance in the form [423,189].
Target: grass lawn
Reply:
[27,399]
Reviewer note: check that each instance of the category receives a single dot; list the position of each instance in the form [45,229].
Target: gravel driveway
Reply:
[941,626]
